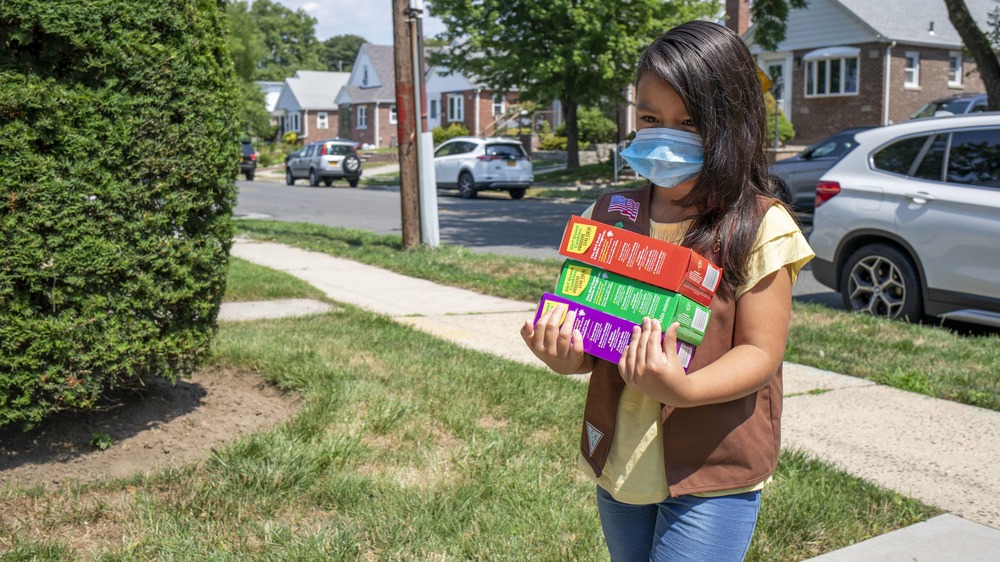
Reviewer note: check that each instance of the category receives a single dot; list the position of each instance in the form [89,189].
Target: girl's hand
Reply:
[559,347]
[654,368]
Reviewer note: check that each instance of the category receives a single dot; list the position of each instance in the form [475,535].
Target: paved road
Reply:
[492,223]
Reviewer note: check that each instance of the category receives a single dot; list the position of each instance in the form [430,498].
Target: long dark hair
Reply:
[715,75]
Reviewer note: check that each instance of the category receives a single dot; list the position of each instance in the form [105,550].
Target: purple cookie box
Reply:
[604,336]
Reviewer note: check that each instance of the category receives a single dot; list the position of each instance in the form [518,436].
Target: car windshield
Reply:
[338,149]
[953,107]
[507,151]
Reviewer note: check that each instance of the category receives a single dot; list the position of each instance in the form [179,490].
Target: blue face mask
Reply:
[666,157]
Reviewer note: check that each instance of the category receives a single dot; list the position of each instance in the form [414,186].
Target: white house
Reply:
[306,104]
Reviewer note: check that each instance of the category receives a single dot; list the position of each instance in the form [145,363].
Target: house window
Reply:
[363,117]
[433,109]
[393,115]
[499,105]
[832,71]
[322,120]
[364,78]
[954,68]
[912,71]
[293,122]
[456,108]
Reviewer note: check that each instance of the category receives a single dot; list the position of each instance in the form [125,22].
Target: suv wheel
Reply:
[313,178]
[353,182]
[517,193]
[882,281]
[328,181]
[466,186]
[289,179]
[351,164]
[249,175]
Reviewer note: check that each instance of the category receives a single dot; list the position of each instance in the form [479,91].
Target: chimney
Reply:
[738,15]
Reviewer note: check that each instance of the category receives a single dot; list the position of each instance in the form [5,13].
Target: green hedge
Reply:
[118,149]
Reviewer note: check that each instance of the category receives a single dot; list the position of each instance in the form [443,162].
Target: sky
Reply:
[371,19]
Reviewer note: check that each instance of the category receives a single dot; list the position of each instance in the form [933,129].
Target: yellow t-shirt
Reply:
[634,469]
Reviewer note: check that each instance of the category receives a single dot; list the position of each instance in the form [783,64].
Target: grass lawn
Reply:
[922,358]
[407,448]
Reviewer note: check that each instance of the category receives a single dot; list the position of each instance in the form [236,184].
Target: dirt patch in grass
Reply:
[163,426]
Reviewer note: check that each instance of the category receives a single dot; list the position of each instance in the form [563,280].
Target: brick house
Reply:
[455,98]
[849,63]
[306,104]
[368,99]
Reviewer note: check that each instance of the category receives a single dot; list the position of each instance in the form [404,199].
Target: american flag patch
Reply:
[624,205]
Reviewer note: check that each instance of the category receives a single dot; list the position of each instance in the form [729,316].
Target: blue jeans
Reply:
[682,528]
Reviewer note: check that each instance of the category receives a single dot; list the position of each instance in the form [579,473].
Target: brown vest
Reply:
[707,448]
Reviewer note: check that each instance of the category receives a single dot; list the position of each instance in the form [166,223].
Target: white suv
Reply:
[472,164]
[908,223]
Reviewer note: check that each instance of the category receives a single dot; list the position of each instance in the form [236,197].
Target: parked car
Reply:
[801,172]
[248,162]
[474,164]
[324,161]
[908,223]
[955,105]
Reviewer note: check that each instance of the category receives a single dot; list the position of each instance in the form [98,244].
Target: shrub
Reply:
[120,145]
[785,129]
[594,127]
[442,134]
[552,142]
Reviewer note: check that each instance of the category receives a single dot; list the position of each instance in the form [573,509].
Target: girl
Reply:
[679,459]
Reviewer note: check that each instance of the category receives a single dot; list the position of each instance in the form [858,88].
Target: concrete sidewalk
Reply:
[944,453]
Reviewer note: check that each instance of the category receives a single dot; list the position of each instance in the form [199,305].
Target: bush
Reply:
[120,145]
[785,129]
[442,134]
[552,142]
[593,127]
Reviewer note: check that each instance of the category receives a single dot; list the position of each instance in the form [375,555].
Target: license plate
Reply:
[512,163]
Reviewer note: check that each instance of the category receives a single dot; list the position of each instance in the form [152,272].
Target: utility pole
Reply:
[409,193]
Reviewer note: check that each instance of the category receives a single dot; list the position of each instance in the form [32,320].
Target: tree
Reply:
[338,52]
[246,44]
[289,39]
[771,16]
[576,51]
[119,143]
[979,45]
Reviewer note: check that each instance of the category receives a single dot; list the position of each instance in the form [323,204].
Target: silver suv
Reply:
[325,161]
[908,223]
[473,164]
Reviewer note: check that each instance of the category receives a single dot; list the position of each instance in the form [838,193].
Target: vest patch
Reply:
[594,437]
[624,205]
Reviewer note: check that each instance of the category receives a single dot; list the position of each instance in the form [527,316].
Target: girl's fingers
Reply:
[565,338]
[653,341]
[627,364]
[528,332]
[670,341]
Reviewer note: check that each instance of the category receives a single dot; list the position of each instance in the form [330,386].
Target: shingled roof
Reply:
[381,57]
[916,21]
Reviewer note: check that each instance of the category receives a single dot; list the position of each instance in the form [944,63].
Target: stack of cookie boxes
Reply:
[614,278]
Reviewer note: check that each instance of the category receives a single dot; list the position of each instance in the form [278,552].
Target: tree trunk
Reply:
[977,44]
[572,140]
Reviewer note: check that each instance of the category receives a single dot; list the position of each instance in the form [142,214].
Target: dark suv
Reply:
[248,163]
[955,105]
